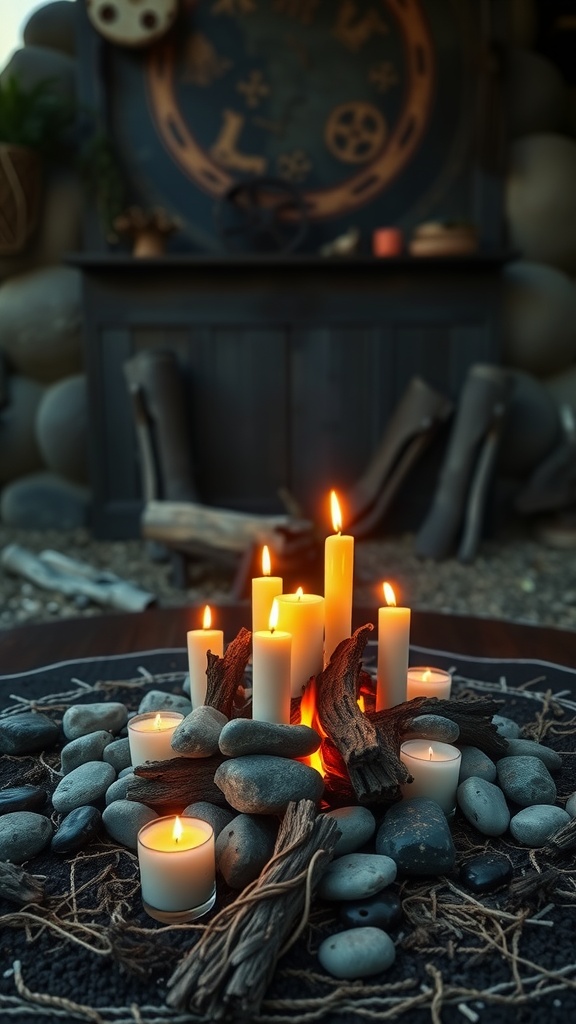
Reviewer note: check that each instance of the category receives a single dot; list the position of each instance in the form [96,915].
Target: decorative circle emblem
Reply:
[132,22]
[355,132]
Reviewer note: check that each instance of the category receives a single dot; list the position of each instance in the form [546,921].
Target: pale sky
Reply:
[13,15]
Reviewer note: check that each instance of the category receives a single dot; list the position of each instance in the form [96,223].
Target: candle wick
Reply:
[272,630]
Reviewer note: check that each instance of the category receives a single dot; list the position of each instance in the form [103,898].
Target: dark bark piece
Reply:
[473,717]
[169,786]
[224,675]
[17,886]
[564,839]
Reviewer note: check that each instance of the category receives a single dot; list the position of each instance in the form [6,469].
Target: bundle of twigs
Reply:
[226,974]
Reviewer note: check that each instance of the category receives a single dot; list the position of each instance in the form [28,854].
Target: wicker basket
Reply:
[20,192]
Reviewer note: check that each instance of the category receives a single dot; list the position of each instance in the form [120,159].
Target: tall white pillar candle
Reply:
[150,736]
[393,652]
[177,868]
[435,769]
[302,615]
[338,583]
[199,642]
[428,682]
[271,650]
[264,589]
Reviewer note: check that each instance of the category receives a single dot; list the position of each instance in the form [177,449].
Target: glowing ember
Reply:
[361,704]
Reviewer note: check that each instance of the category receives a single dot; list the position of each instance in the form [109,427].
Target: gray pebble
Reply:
[83,718]
[76,830]
[570,805]
[483,804]
[123,820]
[218,817]
[198,734]
[526,780]
[126,771]
[357,825]
[506,727]
[244,847]
[534,825]
[157,700]
[27,733]
[117,791]
[357,953]
[475,763]
[263,784]
[248,736]
[22,798]
[87,784]
[519,747]
[118,755]
[23,834]
[415,833]
[433,727]
[356,876]
[85,748]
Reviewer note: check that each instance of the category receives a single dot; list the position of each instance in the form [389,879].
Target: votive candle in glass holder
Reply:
[177,868]
[435,769]
[150,736]
[424,681]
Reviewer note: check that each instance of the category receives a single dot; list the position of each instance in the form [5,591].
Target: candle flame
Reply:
[266,564]
[361,704]
[299,593]
[177,830]
[158,721]
[274,613]
[207,619]
[430,753]
[336,513]
[426,676]
[389,595]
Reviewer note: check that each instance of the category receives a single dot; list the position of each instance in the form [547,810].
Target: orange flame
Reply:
[426,676]
[299,593]
[389,595]
[207,619]
[336,513]
[361,704]
[266,564]
[308,717]
[177,830]
[273,617]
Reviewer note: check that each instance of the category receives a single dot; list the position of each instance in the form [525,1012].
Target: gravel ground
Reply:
[514,578]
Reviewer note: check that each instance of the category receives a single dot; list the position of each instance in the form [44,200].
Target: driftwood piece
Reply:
[474,719]
[226,974]
[563,840]
[169,786]
[224,675]
[17,886]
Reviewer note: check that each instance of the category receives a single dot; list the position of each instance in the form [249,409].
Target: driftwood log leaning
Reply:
[225,676]
[17,886]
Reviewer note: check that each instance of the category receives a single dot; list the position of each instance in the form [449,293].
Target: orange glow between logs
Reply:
[308,717]
[266,564]
[361,704]
[207,619]
[336,513]
[389,595]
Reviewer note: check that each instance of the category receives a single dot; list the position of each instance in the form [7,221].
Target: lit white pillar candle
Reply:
[177,868]
[199,642]
[393,652]
[264,589]
[271,672]
[428,682]
[338,583]
[302,615]
[150,736]
[435,768]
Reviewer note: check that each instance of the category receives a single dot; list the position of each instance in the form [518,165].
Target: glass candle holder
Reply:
[150,736]
[177,868]
[424,681]
[435,769]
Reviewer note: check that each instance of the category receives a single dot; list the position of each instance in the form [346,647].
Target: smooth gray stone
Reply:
[87,784]
[248,736]
[22,798]
[357,953]
[126,771]
[356,876]
[415,833]
[85,748]
[483,804]
[476,764]
[117,754]
[243,848]
[76,830]
[41,316]
[570,805]
[23,834]
[44,501]
[27,733]
[526,780]
[486,872]
[218,817]
[384,910]
[53,27]
[533,826]
[81,719]
[123,820]
[263,784]
[531,748]
[157,700]
[117,791]
[357,825]
[62,428]
[506,727]
[198,733]
[433,727]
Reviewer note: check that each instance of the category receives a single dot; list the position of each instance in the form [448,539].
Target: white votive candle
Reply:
[338,583]
[264,589]
[150,736]
[435,768]
[302,615]
[271,650]
[428,682]
[177,868]
[393,652]
[199,642]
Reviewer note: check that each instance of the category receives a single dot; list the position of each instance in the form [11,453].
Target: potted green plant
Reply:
[35,125]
